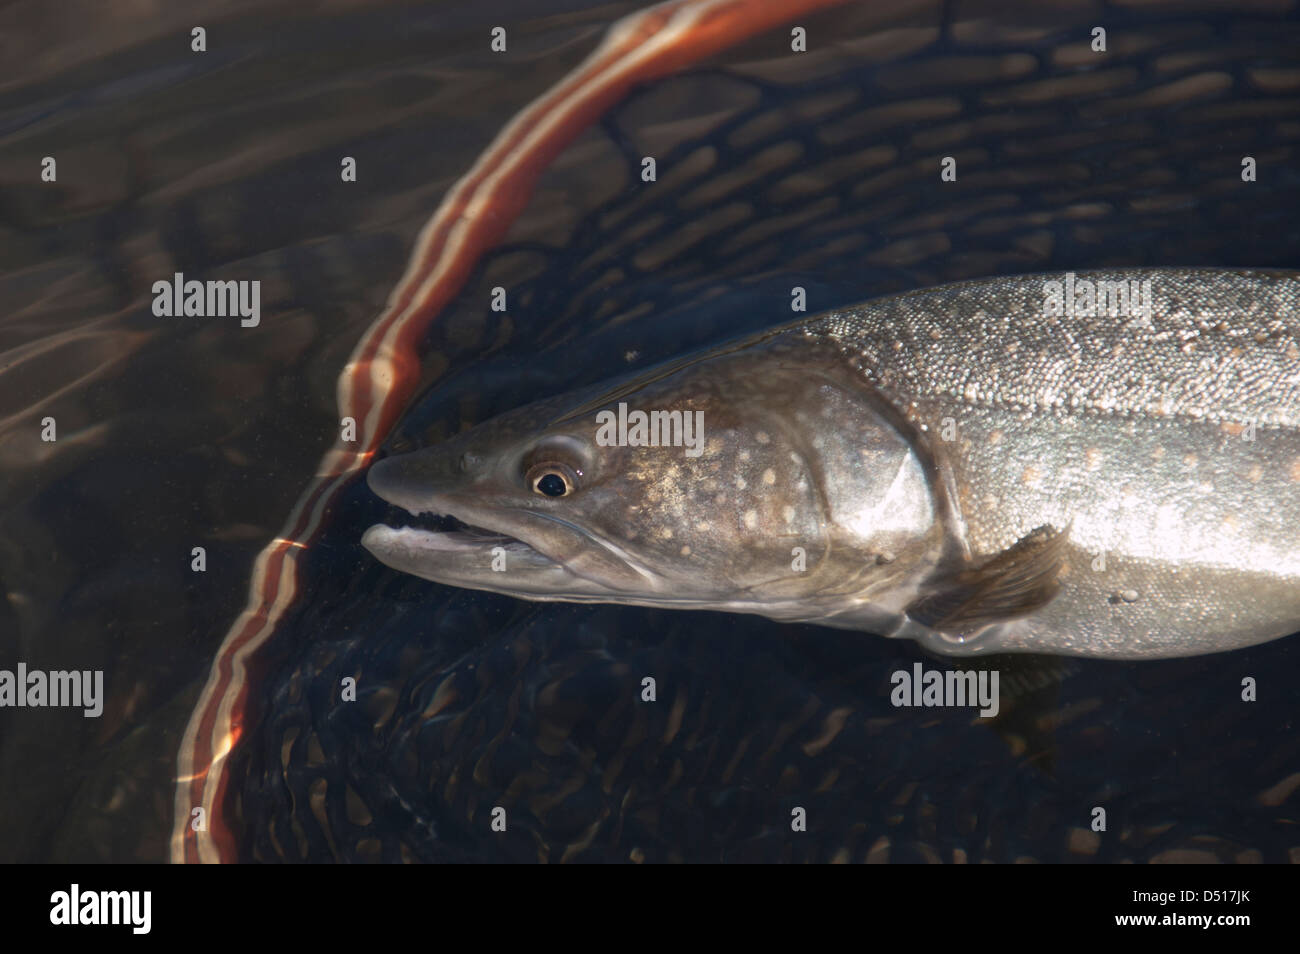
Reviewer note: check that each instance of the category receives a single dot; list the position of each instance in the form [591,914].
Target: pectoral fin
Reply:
[1015,582]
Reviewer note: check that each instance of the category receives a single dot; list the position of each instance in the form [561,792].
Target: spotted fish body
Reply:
[988,466]
[1169,448]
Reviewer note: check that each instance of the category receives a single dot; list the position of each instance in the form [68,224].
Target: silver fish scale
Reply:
[1133,434]
[1219,346]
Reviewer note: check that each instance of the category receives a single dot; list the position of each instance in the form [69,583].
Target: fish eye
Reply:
[552,479]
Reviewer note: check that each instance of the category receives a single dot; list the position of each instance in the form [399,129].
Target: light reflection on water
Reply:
[174,435]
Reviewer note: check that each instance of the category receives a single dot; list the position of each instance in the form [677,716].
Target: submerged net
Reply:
[775,170]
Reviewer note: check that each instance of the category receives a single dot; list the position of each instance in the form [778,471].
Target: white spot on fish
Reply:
[769,477]
[751,519]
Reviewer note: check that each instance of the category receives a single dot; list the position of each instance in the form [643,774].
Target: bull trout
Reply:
[1104,464]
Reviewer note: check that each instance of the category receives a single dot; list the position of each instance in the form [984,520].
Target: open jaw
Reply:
[446,532]
[446,549]
[515,551]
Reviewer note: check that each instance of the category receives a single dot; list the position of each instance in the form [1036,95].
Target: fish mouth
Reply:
[445,532]
[461,550]
[452,535]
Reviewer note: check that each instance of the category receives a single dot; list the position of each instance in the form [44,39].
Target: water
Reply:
[176,434]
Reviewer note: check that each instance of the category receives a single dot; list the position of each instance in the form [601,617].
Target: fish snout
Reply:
[411,481]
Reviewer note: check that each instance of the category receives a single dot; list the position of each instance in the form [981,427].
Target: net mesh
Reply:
[774,171]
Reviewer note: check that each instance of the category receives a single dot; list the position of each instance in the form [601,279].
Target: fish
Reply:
[1034,463]
[469,700]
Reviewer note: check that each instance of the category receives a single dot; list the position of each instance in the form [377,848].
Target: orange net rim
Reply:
[383,371]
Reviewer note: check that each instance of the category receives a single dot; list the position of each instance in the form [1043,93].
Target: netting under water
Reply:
[774,170]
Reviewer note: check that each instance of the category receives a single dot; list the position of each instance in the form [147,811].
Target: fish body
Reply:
[1035,463]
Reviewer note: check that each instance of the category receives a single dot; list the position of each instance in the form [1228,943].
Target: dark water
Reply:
[773,172]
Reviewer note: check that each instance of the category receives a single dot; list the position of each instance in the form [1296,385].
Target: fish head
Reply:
[752,481]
